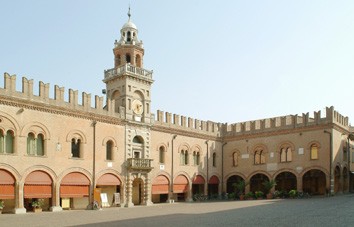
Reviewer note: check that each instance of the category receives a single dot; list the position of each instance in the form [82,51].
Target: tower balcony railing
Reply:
[139,164]
[128,69]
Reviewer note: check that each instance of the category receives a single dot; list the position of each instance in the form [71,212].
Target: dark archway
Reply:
[256,182]
[314,182]
[230,181]
[286,181]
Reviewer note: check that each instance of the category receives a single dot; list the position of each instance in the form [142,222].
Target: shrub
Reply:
[292,193]
[258,194]
[249,195]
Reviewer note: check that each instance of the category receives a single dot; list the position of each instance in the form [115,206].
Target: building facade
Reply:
[69,153]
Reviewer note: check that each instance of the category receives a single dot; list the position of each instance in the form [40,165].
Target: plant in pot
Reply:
[2,205]
[259,194]
[249,196]
[268,186]
[37,205]
[239,188]
[292,193]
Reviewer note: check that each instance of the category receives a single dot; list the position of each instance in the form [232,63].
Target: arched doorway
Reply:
[160,189]
[256,182]
[74,191]
[213,186]
[337,182]
[38,185]
[7,190]
[180,186]
[109,184]
[198,185]
[230,181]
[138,187]
[286,181]
[314,182]
[345,180]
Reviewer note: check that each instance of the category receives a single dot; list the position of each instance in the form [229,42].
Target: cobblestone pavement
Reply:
[329,211]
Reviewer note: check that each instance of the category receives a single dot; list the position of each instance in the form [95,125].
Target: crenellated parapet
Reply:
[286,122]
[175,121]
[28,96]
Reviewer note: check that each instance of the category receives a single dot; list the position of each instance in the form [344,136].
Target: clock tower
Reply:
[128,84]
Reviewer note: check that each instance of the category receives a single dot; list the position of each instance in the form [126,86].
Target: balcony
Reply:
[139,164]
[128,69]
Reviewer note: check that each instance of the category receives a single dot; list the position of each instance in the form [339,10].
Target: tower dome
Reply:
[129,34]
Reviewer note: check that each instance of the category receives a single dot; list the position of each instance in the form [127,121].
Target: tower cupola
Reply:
[129,34]
[129,49]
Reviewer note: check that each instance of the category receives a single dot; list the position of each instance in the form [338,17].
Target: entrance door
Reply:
[137,191]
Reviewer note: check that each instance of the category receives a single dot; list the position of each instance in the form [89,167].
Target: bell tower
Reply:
[128,84]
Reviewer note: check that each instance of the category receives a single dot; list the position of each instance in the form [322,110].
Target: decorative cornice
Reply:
[52,109]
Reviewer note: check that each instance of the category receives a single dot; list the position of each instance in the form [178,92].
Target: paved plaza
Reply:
[329,211]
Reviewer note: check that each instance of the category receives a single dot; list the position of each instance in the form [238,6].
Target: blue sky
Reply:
[225,61]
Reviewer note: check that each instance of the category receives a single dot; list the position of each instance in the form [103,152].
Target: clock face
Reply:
[137,106]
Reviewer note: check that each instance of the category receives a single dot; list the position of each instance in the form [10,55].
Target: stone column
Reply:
[189,194]
[299,184]
[56,198]
[129,191]
[19,208]
[147,191]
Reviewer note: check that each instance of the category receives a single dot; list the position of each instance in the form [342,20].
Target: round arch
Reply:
[314,182]
[232,180]
[285,181]
[35,128]
[257,180]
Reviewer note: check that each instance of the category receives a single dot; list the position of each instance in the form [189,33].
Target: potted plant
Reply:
[2,205]
[37,205]
[239,188]
[292,193]
[249,196]
[268,185]
[259,194]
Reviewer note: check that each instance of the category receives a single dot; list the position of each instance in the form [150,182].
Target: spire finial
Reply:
[129,12]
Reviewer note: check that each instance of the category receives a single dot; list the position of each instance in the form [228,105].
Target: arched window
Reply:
[35,146]
[9,142]
[259,157]
[127,58]
[138,139]
[2,142]
[109,150]
[186,158]
[285,154]
[40,145]
[75,148]
[214,159]
[196,158]
[31,144]
[234,159]
[182,157]
[314,151]
[128,36]
[162,155]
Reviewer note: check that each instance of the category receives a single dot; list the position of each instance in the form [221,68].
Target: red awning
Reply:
[180,184]
[75,178]
[160,185]
[74,191]
[38,178]
[198,180]
[108,179]
[7,185]
[214,180]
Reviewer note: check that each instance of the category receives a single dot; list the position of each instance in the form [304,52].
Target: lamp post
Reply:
[331,180]
[171,186]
